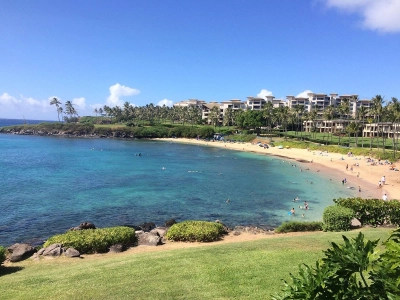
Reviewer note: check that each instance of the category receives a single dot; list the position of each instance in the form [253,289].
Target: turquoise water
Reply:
[50,184]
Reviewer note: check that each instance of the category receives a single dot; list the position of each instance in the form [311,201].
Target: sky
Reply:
[97,52]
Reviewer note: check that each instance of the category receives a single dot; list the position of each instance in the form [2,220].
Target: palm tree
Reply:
[394,117]
[377,111]
[329,114]
[55,101]
[284,117]
[268,110]
[228,116]
[96,111]
[70,109]
[361,114]
[213,116]
[312,116]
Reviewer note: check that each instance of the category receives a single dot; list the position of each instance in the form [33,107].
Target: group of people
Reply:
[293,212]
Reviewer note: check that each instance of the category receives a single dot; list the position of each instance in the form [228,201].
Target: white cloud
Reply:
[380,15]
[6,99]
[263,93]
[304,94]
[117,91]
[79,103]
[166,102]
[35,103]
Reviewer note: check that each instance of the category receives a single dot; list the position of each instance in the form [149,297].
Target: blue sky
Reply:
[96,52]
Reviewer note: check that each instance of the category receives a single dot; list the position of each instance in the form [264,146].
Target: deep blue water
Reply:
[12,122]
[49,184]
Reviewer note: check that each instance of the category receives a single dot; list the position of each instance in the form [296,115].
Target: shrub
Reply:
[352,270]
[337,218]
[372,211]
[195,231]
[94,240]
[206,132]
[295,226]
[2,254]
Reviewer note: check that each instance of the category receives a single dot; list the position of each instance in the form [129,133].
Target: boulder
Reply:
[71,252]
[147,226]
[53,250]
[170,222]
[116,248]
[148,239]
[20,252]
[87,225]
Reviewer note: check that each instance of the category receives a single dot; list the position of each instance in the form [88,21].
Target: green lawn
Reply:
[246,270]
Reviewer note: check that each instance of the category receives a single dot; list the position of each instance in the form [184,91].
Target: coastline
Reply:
[331,164]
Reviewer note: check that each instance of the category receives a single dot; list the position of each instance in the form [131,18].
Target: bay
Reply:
[50,184]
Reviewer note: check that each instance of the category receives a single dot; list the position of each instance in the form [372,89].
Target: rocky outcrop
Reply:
[147,238]
[170,222]
[83,226]
[20,252]
[71,252]
[251,229]
[116,248]
[56,250]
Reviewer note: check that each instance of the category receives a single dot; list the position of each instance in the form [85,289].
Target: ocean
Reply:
[12,122]
[50,184]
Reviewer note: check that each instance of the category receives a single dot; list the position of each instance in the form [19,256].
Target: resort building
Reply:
[386,129]
[313,101]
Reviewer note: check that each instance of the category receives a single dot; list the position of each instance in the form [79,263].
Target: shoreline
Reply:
[331,164]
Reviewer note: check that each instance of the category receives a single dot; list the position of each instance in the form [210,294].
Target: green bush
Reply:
[206,132]
[352,270]
[94,240]
[2,254]
[337,218]
[373,211]
[195,231]
[296,226]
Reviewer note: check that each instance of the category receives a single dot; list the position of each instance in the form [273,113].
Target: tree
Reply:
[213,115]
[394,117]
[228,116]
[55,101]
[377,112]
[361,114]
[70,110]
[268,110]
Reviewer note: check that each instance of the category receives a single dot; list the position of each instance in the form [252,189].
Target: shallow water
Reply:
[50,184]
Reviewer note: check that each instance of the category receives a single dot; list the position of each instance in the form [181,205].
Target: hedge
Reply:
[195,231]
[94,240]
[2,254]
[296,226]
[337,218]
[373,212]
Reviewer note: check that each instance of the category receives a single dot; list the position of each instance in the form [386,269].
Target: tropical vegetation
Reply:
[195,231]
[352,270]
[94,240]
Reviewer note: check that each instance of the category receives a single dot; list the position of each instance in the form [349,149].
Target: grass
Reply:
[245,270]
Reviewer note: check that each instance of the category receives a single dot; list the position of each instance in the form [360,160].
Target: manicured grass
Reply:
[246,270]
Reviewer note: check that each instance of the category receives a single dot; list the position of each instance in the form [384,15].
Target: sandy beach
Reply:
[364,174]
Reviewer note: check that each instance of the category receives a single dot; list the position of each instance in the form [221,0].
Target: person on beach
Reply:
[305,205]
[379,184]
[384,197]
[292,211]
[383,180]
[359,189]
[347,167]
